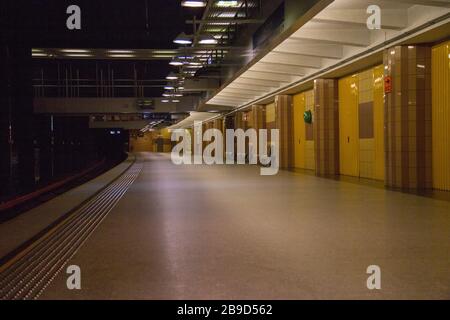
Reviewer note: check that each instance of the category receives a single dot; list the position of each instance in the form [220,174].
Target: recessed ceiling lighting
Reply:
[75,50]
[194,3]
[172,76]
[36,50]
[164,52]
[207,39]
[176,62]
[120,51]
[164,100]
[122,55]
[169,87]
[76,55]
[37,54]
[227,4]
[175,101]
[183,38]
[162,56]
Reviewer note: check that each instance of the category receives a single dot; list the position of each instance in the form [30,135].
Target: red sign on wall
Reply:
[388,84]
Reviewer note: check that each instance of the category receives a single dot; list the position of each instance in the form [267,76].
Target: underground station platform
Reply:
[214,150]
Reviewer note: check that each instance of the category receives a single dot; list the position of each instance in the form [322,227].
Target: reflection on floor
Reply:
[225,232]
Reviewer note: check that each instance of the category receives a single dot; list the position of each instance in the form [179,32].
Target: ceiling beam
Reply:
[295,60]
[237,86]
[226,20]
[392,19]
[279,69]
[238,95]
[267,76]
[259,83]
[431,3]
[322,50]
[330,33]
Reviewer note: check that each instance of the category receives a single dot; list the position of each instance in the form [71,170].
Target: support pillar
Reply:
[258,117]
[326,126]
[284,111]
[408,114]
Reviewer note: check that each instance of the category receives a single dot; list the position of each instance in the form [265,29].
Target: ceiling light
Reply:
[227,4]
[195,63]
[76,55]
[120,51]
[183,38]
[194,3]
[122,55]
[172,76]
[37,54]
[207,39]
[175,101]
[196,66]
[164,52]
[169,87]
[161,56]
[75,51]
[164,101]
[176,62]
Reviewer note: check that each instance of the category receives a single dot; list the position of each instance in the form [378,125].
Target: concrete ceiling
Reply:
[334,38]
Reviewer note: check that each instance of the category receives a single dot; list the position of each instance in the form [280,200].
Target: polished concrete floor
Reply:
[225,232]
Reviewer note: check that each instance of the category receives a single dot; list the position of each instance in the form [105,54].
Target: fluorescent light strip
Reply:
[120,51]
[122,55]
[75,51]
[76,55]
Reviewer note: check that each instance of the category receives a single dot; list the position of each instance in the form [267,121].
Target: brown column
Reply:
[239,121]
[284,122]
[408,117]
[259,117]
[326,126]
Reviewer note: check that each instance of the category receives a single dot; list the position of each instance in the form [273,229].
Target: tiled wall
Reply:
[141,144]
[408,117]
[326,126]
[310,162]
[284,122]
[366,125]
[258,117]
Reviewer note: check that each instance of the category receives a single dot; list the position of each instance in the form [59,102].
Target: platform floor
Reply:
[225,232]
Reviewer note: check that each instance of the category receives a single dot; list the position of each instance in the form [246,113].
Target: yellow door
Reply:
[349,126]
[299,130]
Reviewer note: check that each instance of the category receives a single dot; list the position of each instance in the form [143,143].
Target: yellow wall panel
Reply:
[441,115]
[349,126]
[142,144]
[270,113]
